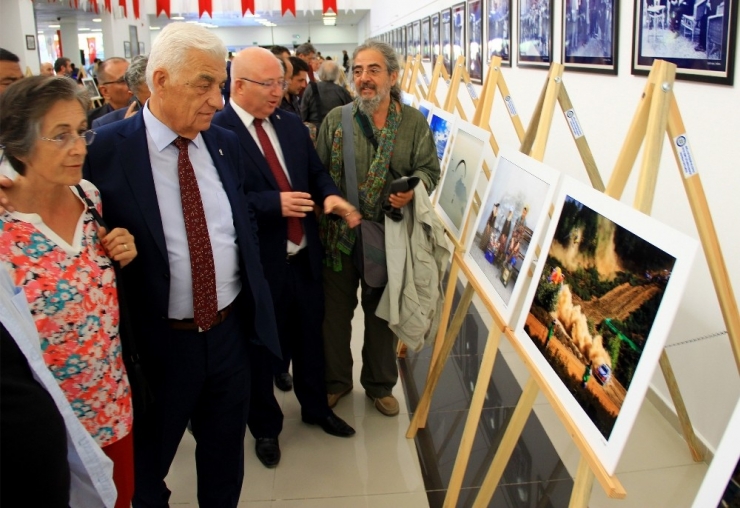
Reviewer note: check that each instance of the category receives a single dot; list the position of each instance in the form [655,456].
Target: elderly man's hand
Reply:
[336,205]
[119,245]
[295,204]
[401,199]
[133,108]
[5,183]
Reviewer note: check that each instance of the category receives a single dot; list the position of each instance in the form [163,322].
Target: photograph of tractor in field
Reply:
[594,307]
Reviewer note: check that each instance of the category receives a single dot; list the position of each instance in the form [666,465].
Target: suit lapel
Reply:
[285,140]
[249,145]
[138,171]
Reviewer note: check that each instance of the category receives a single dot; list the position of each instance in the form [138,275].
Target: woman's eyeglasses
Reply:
[67,139]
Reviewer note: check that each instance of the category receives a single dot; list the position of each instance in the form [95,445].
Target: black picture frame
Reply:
[446,38]
[31,42]
[426,42]
[498,36]
[127,49]
[434,37]
[410,40]
[416,37]
[590,36]
[458,23]
[474,40]
[702,38]
[534,48]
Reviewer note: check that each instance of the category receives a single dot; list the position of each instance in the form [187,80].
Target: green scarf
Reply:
[336,236]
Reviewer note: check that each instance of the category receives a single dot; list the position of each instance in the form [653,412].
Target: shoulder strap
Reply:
[348,150]
[367,129]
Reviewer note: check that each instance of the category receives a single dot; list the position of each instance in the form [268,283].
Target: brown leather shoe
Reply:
[386,405]
[333,398]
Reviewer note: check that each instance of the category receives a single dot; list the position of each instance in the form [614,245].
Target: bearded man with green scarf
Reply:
[394,141]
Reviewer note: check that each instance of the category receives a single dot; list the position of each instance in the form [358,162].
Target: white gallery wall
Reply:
[605,105]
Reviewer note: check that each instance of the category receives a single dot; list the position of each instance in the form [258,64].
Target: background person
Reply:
[47,69]
[307,53]
[138,90]
[63,66]
[112,86]
[296,84]
[10,72]
[322,97]
[51,245]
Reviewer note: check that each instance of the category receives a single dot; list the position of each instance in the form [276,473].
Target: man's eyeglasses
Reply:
[119,81]
[281,84]
[67,139]
[372,71]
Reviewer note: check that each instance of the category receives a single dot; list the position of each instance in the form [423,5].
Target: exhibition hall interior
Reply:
[584,347]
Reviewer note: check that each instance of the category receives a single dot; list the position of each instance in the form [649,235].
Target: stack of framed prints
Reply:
[598,311]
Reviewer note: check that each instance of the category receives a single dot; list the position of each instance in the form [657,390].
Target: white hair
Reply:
[171,47]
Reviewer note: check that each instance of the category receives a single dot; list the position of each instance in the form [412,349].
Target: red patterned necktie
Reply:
[295,229]
[205,300]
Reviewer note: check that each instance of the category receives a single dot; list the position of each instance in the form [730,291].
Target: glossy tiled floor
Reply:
[379,467]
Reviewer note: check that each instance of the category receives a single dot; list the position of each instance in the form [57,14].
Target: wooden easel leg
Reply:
[683,414]
[554,83]
[534,122]
[446,310]
[582,486]
[508,442]
[422,409]
[471,424]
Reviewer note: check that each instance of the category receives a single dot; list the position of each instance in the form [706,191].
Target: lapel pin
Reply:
[221,152]
[277,116]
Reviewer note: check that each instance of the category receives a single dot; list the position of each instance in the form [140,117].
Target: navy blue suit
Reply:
[296,285]
[202,377]
[111,117]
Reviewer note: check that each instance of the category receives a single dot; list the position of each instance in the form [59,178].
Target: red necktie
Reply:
[205,300]
[295,230]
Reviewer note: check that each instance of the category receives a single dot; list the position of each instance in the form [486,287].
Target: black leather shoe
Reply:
[332,424]
[268,451]
[284,382]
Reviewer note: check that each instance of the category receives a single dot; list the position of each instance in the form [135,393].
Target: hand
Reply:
[295,204]
[118,244]
[132,110]
[336,205]
[5,183]
[401,199]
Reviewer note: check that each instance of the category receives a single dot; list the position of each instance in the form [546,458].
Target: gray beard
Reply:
[370,106]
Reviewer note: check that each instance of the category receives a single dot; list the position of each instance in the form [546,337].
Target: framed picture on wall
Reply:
[416,37]
[127,49]
[535,33]
[426,45]
[445,36]
[474,31]
[499,30]
[434,37]
[699,37]
[141,49]
[402,43]
[590,35]
[410,40]
[458,31]
[31,42]
[133,37]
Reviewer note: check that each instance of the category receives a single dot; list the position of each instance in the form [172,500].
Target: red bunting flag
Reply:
[107,5]
[75,4]
[205,6]
[247,5]
[288,5]
[330,4]
[95,6]
[122,3]
[136,9]
[163,5]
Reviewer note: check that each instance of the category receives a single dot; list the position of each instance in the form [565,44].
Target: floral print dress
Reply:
[71,291]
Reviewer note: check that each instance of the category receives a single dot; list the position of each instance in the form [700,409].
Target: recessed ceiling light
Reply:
[97,30]
[97,20]
[41,32]
[177,18]
[83,29]
[155,28]
[55,26]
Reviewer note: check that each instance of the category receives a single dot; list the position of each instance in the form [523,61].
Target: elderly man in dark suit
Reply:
[284,179]
[197,293]
[135,77]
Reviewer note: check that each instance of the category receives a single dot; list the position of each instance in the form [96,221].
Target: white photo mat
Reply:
[426,108]
[457,185]
[518,182]
[650,233]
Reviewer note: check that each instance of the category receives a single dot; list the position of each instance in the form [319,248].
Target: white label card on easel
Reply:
[575,126]
[471,91]
[510,105]
[686,159]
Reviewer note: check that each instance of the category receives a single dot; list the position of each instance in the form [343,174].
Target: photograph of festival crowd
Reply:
[535,32]
[499,30]
[475,41]
[589,35]
[594,308]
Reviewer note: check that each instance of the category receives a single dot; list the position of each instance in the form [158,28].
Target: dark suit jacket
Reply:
[307,174]
[98,112]
[118,164]
[111,117]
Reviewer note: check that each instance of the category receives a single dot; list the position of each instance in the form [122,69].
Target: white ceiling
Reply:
[48,14]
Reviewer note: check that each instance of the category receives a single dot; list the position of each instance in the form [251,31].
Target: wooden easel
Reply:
[411,84]
[406,76]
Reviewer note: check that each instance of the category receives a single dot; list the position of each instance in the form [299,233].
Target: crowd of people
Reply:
[166,257]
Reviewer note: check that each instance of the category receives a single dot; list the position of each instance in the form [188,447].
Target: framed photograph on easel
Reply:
[535,33]
[475,41]
[590,35]
[499,30]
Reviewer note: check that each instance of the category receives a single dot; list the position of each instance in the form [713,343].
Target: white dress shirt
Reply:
[220,222]
[248,121]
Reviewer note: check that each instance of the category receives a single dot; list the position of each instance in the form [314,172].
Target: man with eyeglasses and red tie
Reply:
[284,179]
[112,86]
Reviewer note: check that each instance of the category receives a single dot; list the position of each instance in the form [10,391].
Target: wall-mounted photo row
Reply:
[699,36]
[499,30]
[416,37]
[457,184]
[604,294]
[434,37]
[426,43]
[446,38]
[474,39]
[410,46]
[458,31]
[535,33]
[510,223]
[590,35]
